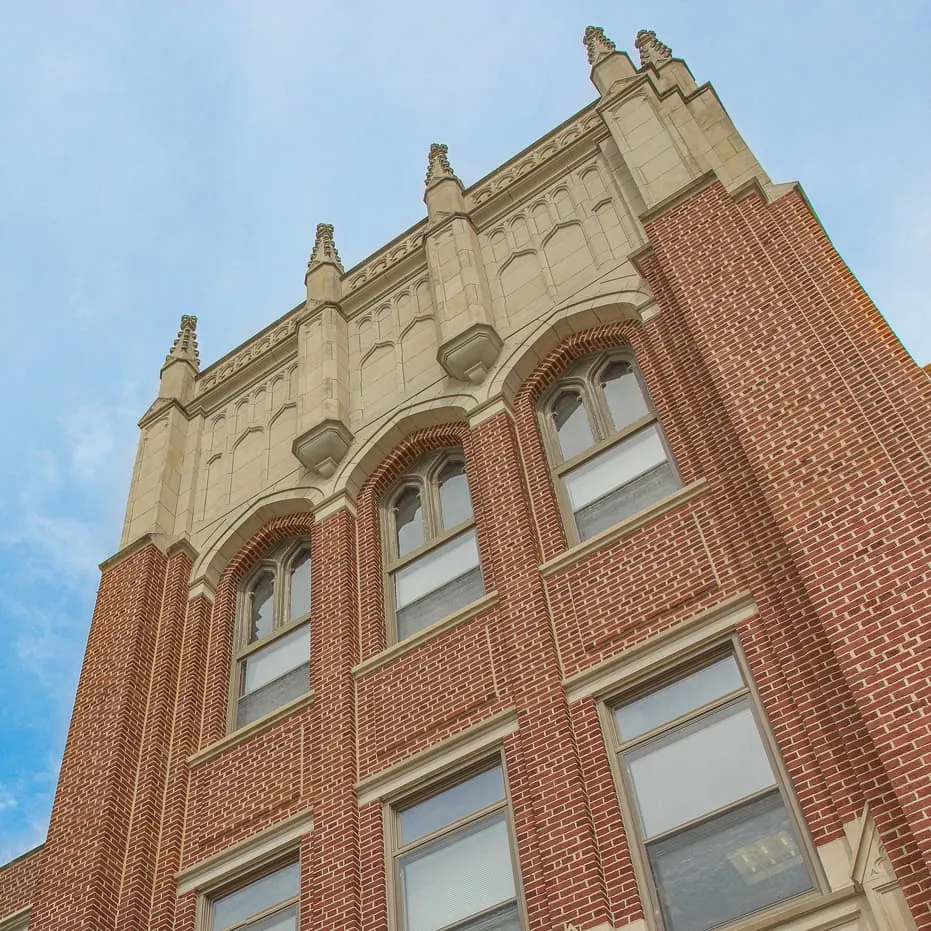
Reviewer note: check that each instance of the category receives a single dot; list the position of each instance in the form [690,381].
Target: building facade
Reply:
[563,565]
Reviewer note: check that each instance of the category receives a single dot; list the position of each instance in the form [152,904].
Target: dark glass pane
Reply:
[729,867]
[285,920]
[571,422]
[262,607]
[697,768]
[408,521]
[300,585]
[503,918]
[626,501]
[440,603]
[230,910]
[623,395]
[457,876]
[678,698]
[451,804]
[455,501]
[274,695]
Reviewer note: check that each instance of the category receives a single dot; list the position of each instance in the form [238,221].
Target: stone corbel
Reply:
[469,355]
[323,447]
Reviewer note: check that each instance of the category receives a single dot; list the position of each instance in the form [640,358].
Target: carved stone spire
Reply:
[438,167]
[597,44]
[185,344]
[324,248]
[652,51]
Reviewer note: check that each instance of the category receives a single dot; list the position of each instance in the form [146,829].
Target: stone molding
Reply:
[694,631]
[323,447]
[474,741]
[471,354]
[223,866]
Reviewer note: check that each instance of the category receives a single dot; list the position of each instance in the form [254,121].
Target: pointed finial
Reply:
[185,344]
[597,44]
[324,248]
[438,167]
[652,51]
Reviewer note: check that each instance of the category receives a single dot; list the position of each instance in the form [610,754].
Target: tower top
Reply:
[597,44]
[324,251]
[652,51]
[184,348]
[438,167]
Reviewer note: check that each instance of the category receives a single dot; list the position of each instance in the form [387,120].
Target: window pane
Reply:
[457,876]
[626,501]
[695,769]
[450,805]
[615,467]
[262,607]
[278,692]
[300,585]
[623,395]
[285,920]
[729,867]
[435,568]
[455,501]
[678,698]
[408,521]
[279,657]
[503,918]
[440,603]
[571,422]
[256,897]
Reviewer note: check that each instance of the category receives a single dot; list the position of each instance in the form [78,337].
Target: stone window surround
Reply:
[712,631]
[472,761]
[279,560]
[422,474]
[581,376]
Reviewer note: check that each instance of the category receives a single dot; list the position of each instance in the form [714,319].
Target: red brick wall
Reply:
[17,881]
[78,886]
[832,418]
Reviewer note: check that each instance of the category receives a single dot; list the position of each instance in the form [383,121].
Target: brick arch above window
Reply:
[622,336]
[223,617]
[368,521]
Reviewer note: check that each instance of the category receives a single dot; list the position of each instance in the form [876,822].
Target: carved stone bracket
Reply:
[469,355]
[322,447]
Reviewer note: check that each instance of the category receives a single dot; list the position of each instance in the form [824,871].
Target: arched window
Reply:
[431,554]
[271,663]
[606,448]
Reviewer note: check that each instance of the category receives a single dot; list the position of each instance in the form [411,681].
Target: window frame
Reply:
[279,860]
[652,680]
[392,807]
[423,474]
[279,560]
[582,376]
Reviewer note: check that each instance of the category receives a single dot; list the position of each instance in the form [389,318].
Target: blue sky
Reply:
[174,158]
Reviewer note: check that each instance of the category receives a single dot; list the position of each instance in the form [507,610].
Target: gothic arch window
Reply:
[271,662]
[607,452]
[431,553]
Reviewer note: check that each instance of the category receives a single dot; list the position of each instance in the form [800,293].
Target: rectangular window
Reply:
[274,674]
[268,903]
[717,837]
[453,865]
[440,582]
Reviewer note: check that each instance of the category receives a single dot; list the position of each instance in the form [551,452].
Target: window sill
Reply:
[422,636]
[250,730]
[578,552]
[811,911]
